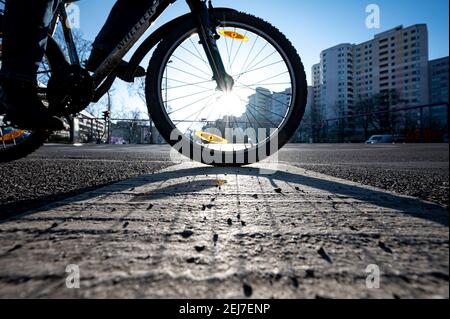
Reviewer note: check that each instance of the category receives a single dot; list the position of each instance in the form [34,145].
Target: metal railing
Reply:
[414,124]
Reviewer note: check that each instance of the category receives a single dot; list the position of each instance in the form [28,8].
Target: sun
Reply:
[230,103]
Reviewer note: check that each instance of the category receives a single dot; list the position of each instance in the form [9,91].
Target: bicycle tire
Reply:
[166,127]
[37,138]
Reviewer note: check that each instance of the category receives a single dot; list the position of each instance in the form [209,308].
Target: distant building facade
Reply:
[438,72]
[394,60]
[87,128]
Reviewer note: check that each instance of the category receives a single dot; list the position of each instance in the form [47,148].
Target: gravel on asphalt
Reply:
[418,170]
[57,171]
[431,185]
[32,183]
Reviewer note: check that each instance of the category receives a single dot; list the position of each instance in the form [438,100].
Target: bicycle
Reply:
[222,87]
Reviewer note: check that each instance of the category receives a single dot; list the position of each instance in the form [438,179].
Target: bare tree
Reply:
[130,125]
[386,119]
[138,89]
[364,108]
[82,45]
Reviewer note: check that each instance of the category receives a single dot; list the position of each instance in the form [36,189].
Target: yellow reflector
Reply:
[11,136]
[234,35]
[211,138]
[220,182]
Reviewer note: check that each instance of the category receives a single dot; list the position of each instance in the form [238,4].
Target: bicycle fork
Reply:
[208,38]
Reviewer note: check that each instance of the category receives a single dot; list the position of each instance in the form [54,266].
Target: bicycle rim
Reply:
[238,121]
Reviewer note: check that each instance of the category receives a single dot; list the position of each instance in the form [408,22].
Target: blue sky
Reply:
[313,25]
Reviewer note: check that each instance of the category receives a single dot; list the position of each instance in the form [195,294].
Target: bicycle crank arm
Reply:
[208,39]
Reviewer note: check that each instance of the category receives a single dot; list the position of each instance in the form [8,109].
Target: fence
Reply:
[423,123]
[87,129]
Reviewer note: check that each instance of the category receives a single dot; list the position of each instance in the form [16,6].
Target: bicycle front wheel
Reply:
[245,125]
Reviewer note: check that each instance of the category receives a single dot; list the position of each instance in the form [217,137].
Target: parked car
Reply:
[381,139]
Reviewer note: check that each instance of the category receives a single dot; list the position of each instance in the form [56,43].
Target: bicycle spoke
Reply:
[199,54]
[270,78]
[265,117]
[189,73]
[265,95]
[251,85]
[231,52]
[248,56]
[189,95]
[195,55]
[264,59]
[256,108]
[226,45]
[257,61]
[199,113]
[256,120]
[208,74]
[250,64]
[240,46]
[185,84]
[185,107]
[260,68]
[273,113]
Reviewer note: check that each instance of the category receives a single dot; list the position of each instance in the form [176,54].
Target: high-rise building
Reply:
[438,72]
[259,107]
[401,63]
[438,79]
[316,86]
[280,103]
[395,60]
[335,78]
[310,101]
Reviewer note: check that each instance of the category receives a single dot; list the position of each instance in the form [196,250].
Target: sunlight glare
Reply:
[231,104]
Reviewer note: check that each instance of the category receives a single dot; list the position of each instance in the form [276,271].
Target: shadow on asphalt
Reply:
[12,210]
[408,206]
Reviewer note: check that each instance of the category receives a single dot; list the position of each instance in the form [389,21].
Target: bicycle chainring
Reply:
[69,91]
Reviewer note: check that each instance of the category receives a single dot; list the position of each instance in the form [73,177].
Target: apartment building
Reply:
[438,73]
[87,128]
[334,77]
[259,107]
[401,63]
[280,103]
[395,60]
[316,85]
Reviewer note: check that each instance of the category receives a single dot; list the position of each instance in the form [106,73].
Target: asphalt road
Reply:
[420,171]
[60,171]
[193,231]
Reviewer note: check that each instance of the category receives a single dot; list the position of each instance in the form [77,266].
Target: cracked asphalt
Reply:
[192,231]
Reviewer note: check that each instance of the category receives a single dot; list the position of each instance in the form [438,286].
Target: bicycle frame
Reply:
[104,77]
